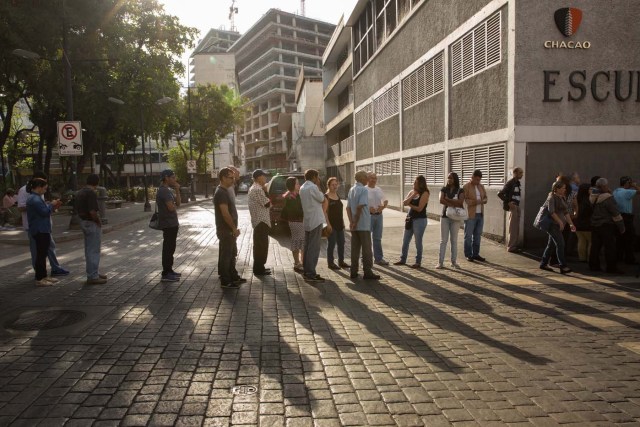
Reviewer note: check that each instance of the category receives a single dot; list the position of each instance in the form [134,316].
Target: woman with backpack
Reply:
[582,220]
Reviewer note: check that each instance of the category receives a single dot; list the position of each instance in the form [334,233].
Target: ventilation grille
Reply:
[477,50]
[364,119]
[424,82]
[491,160]
[390,167]
[430,165]
[386,105]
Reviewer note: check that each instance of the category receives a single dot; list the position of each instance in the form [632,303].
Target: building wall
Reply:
[431,23]
[215,68]
[423,124]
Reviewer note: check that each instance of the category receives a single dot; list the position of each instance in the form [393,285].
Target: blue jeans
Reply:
[311,251]
[556,242]
[417,230]
[92,240]
[376,236]
[448,231]
[51,254]
[336,236]
[473,235]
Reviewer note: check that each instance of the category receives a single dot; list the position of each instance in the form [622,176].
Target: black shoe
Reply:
[479,258]
[354,276]
[240,280]
[230,285]
[263,273]
[470,259]
[371,277]
[344,265]
[333,266]
[545,267]
[176,274]
[315,279]
[555,265]
[565,270]
[616,271]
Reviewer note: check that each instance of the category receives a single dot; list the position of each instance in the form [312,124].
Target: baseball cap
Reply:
[166,173]
[258,173]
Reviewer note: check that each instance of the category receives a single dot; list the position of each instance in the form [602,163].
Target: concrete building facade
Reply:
[307,126]
[337,79]
[445,86]
[268,58]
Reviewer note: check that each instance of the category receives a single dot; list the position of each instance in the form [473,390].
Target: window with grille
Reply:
[430,165]
[367,168]
[491,160]
[386,105]
[479,49]
[424,82]
[364,119]
[390,167]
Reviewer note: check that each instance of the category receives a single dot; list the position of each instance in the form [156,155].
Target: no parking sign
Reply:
[70,138]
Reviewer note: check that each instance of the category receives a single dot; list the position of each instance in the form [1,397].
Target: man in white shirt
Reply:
[259,205]
[314,218]
[23,196]
[377,203]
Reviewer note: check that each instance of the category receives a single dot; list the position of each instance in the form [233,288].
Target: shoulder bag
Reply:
[543,220]
[457,214]
[154,222]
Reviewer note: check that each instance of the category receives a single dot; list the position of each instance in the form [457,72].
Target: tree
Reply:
[215,112]
[122,48]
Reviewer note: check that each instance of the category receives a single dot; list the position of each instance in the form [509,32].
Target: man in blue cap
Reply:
[167,204]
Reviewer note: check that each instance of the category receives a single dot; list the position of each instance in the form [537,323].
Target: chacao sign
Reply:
[568,21]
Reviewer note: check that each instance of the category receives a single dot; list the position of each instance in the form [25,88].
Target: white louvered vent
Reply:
[477,50]
[423,83]
[363,119]
[367,168]
[386,105]
[430,165]
[490,160]
[388,168]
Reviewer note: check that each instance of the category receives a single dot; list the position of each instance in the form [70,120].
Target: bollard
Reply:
[102,206]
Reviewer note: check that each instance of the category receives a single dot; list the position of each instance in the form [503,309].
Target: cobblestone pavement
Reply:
[492,344]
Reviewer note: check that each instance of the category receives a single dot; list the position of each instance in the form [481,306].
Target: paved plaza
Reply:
[496,343]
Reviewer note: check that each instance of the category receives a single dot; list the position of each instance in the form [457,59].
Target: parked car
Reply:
[276,188]
[243,187]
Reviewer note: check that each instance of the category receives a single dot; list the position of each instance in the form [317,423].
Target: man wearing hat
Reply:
[259,205]
[476,197]
[167,204]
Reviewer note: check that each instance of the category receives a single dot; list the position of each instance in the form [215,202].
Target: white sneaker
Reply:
[52,280]
[455,265]
[43,283]
[439,266]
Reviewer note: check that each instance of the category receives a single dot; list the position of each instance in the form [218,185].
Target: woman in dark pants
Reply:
[557,207]
[39,216]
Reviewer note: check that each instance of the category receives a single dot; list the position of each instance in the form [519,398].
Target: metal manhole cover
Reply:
[45,319]
[244,390]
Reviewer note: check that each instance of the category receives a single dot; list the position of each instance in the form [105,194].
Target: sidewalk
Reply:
[128,214]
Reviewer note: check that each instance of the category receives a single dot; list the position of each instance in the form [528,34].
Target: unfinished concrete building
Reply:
[269,57]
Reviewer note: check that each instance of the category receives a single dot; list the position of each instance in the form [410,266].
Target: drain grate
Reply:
[45,319]
[243,390]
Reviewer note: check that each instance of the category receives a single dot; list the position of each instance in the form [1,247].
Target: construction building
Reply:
[269,57]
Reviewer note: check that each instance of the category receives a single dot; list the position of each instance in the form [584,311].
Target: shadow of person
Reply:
[429,313]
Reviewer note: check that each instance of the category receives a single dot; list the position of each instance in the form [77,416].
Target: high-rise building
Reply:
[269,57]
[210,63]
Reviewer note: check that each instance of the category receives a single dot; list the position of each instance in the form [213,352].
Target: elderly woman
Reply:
[556,205]
[292,213]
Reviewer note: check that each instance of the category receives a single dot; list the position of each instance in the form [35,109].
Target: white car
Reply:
[243,187]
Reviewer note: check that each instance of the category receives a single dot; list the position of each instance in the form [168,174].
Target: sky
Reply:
[207,14]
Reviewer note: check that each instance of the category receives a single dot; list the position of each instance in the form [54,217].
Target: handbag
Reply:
[325,232]
[154,222]
[457,214]
[543,220]
[408,223]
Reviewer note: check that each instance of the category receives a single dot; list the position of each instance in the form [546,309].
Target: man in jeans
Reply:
[167,204]
[91,225]
[23,196]
[227,231]
[476,197]
[377,203]
[510,196]
[259,205]
[360,226]
[314,218]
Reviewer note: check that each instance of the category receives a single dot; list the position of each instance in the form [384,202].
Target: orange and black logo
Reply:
[568,20]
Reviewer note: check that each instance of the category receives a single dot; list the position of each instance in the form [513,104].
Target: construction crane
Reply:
[302,11]
[233,10]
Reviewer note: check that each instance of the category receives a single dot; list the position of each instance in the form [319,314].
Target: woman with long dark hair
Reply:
[451,195]
[557,207]
[416,221]
[334,210]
